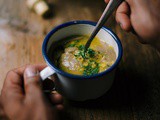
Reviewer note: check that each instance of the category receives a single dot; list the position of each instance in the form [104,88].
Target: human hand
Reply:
[23,99]
[141,16]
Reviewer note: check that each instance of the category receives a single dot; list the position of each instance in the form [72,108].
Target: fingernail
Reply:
[30,72]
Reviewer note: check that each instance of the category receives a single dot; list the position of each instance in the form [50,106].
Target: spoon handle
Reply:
[112,5]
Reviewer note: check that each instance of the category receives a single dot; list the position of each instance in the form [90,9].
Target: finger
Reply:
[106,1]
[12,94]
[32,82]
[56,98]
[40,67]
[122,16]
[20,70]
[59,107]
[2,114]
[1,110]
[12,88]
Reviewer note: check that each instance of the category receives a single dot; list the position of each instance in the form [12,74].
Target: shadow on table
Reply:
[128,89]
[51,13]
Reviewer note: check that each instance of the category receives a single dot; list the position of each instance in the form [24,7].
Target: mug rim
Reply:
[57,70]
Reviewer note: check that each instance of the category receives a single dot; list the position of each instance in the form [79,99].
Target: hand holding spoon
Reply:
[112,5]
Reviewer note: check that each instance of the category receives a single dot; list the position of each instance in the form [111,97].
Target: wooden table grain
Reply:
[135,94]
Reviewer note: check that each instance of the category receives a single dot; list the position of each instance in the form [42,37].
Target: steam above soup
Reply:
[69,56]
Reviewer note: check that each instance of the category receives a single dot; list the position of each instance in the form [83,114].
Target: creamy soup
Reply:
[70,56]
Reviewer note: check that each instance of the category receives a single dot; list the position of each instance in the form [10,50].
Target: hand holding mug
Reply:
[23,99]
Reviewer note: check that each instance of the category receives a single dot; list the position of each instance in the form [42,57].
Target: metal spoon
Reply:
[112,5]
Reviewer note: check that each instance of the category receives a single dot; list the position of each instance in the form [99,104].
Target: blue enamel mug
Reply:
[76,87]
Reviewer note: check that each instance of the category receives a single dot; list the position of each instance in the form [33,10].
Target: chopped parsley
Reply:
[71,45]
[81,47]
[91,52]
[90,70]
[76,41]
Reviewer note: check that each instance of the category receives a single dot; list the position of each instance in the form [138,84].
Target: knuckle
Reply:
[10,72]
[9,75]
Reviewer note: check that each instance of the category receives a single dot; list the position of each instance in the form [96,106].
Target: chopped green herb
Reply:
[95,70]
[81,47]
[76,41]
[89,70]
[81,53]
[71,45]
[91,52]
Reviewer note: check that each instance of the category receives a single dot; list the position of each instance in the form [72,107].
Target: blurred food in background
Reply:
[40,7]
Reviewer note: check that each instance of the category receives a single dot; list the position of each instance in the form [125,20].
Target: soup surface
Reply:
[69,56]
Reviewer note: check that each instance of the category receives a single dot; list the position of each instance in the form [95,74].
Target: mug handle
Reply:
[46,72]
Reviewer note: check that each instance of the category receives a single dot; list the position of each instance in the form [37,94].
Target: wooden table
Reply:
[135,93]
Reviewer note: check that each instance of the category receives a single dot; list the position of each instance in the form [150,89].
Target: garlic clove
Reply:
[41,8]
[31,3]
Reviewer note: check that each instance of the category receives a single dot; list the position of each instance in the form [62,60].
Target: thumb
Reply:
[32,85]
[123,16]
